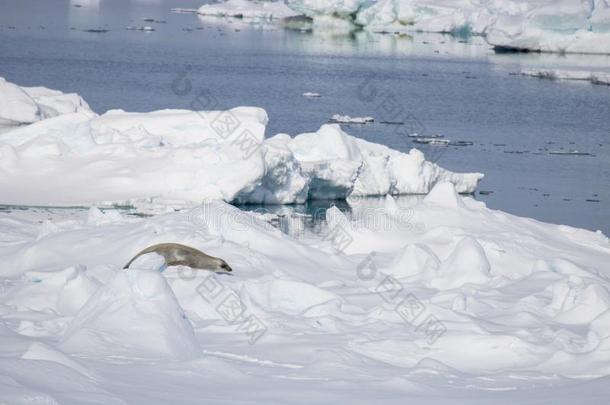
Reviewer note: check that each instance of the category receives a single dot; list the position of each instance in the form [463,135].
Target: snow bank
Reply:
[25,105]
[187,156]
[248,9]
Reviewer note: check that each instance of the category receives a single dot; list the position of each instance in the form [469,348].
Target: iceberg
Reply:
[188,156]
[562,26]
[565,26]
[462,17]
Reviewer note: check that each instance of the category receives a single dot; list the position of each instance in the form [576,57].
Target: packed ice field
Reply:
[439,301]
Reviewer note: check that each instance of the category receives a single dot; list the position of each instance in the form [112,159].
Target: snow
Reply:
[247,9]
[182,157]
[472,303]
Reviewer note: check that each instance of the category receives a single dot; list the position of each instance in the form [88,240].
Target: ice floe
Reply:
[484,299]
[146,28]
[346,119]
[183,155]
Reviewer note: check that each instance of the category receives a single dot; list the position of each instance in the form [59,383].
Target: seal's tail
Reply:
[129,262]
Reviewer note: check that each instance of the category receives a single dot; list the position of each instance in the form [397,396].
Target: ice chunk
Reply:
[594,77]
[284,181]
[16,106]
[248,9]
[555,26]
[25,105]
[538,25]
[346,119]
[339,163]
[188,156]
[430,16]
[339,8]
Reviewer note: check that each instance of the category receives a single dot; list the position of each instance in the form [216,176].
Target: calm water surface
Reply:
[436,84]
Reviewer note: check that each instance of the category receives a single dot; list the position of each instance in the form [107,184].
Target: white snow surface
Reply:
[183,156]
[444,301]
[536,25]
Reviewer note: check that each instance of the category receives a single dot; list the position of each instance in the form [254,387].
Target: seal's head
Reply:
[224,266]
[214,264]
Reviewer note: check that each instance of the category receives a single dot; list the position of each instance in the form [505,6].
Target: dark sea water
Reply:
[435,84]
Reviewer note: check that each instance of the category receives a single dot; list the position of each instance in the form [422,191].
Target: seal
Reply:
[176,254]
